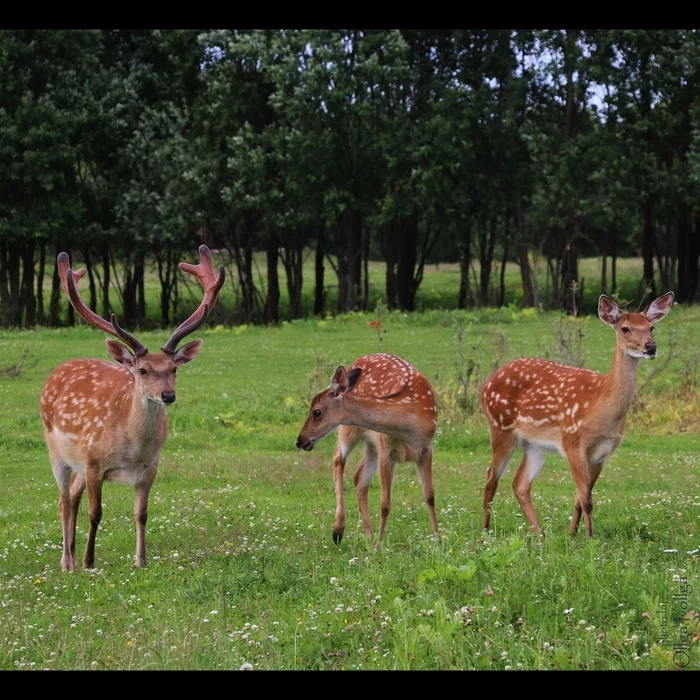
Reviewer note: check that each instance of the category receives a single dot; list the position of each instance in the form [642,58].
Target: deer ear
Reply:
[339,382]
[119,352]
[187,353]
[659,308]
[353,376]
[608,310]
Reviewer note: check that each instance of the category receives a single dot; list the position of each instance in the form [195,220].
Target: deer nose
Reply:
[650,347]
[299,442]
[168,396]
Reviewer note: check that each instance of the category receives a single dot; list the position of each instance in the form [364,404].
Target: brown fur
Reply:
[546,406]
[105,421]
[392,410]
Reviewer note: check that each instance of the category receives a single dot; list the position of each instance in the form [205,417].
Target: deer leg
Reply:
[503,445]
[584,484]
[77,486]
[362,479]
[141,492]
[62,473]
[425,472]
[594,471]
[94,492]
[347,439]
[386,478]
[529,468]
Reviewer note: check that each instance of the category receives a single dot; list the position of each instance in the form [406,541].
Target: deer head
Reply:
[634,330]
[154,373]
[326,412]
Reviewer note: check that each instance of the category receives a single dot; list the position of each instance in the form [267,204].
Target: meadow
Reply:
[242,569]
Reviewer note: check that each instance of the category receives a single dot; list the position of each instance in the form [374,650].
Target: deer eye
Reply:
[317,413]
[143,372]
[174,370]
[652,329]
[625,329]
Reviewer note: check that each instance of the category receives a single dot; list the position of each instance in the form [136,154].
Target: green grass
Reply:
[242,567]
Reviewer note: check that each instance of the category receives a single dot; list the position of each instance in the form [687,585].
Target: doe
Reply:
[549,407]
[387,404]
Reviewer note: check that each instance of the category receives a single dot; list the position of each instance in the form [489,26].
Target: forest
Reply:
[301,156]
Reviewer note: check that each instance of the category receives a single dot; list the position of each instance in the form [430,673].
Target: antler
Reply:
[69,279]
[204,272]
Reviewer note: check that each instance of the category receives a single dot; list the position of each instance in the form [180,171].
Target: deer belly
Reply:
[68,450]
[548,441]
[603,449]
[132,474]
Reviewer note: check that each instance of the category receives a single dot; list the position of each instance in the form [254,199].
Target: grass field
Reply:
[242,566]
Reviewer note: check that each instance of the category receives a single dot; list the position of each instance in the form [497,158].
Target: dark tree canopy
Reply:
[478,147]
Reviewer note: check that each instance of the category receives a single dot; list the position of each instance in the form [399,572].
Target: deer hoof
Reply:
[337,537]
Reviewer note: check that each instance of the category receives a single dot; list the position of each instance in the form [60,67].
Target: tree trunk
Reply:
[28,302]
[569,277]
[91,280]
[272,301]
[40,283]
[407,258]
[106,307]
[390,255]
[684,236]
[292,260]
[167,275]
[9,283]
[349,251]
[648,246]
[464,263]
[487,244]
[502,299]
[54,300]
[365,263]
[139,277]
[129,292]
[320,293]
[523,253]
[15,286]
[243,254]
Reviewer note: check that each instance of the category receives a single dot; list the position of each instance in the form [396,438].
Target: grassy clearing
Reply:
[242,567]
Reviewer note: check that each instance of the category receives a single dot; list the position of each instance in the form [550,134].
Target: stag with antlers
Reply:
[106,421]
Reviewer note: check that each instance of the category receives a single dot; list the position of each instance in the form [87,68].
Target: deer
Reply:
[388,405]
[107,421]
[546,406]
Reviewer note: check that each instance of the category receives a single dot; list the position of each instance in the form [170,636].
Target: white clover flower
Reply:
[246,667]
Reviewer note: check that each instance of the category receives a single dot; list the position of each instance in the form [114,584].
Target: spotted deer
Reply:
[550,407]
[106,421]
[384,402]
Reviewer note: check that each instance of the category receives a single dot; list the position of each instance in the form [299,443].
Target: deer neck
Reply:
[370,414]
[621,382]
[146,416]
